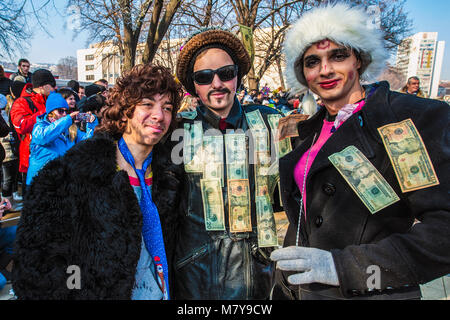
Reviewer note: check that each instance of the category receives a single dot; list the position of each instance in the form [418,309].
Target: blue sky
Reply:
[427,16]
[433,16]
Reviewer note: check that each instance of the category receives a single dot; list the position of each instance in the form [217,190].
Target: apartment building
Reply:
[422,55]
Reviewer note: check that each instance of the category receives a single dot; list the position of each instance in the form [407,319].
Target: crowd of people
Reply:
[39,122]
[165,188]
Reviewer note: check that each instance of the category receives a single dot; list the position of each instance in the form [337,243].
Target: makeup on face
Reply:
[324,44]
[330,70]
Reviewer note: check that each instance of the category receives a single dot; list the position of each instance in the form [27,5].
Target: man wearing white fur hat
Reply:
[369,164]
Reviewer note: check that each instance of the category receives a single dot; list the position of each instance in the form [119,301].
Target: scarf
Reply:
[151,228]
[349,109]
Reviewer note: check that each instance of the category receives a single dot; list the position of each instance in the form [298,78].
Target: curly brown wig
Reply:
[142,81]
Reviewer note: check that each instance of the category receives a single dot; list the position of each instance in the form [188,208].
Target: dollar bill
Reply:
[213,208]
[192,147]
[409,157]
[236,156]
[262,186]
[256,121]
[287,126]
[369,185]
[262,163]
[239,205]
[273,120]
[283,147]
[267,229]
[261,141]
[213,158]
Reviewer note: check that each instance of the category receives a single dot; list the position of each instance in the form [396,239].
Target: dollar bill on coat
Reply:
[239,205]
[213,158]
[267,229]
[287,126]
[193,147]
[365,180]
[409,156]
[236,156]
[213,208]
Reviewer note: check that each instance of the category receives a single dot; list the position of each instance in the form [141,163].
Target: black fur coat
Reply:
[81,211]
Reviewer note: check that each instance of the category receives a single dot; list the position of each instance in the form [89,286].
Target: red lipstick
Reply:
[329,84]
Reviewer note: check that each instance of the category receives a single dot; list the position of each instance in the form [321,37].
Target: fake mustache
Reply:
[224,90]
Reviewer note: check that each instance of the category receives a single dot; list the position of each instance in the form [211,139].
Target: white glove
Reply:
[315,265]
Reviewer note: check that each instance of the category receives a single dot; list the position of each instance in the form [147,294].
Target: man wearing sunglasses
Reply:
[218,254]
[27,108]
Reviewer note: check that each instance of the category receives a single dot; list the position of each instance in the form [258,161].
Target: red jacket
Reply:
[24,119]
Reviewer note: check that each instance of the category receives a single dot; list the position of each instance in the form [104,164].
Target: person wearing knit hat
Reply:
[92,89]
[211,66]
[25,110]
[54,133]
[368,164]
[43,78]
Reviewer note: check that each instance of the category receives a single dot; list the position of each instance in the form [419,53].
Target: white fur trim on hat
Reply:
[339,23]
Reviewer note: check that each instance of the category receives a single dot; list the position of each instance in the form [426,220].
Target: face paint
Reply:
[351,75]
[322,45]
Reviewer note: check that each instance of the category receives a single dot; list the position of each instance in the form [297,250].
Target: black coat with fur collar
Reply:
[81,211]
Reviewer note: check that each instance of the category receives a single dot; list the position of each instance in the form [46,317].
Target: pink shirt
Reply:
[325,134]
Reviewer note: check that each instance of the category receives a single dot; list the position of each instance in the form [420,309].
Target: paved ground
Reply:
[438,289]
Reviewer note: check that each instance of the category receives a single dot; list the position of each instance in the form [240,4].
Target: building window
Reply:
[90,77]
[89,57]
[89,67]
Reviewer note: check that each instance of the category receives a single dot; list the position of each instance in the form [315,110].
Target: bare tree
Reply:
[269,20]
[395,78]
[12,28]
[126,23]
[192,16]
[15,30]
[394,21]
[67,68]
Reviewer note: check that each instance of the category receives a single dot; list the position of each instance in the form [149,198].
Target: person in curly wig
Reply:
[140,83]
[104,211]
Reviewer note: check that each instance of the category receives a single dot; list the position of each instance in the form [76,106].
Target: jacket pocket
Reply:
[196,254]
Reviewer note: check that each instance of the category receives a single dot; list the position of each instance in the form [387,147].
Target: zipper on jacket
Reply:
[247,270]
[192,257]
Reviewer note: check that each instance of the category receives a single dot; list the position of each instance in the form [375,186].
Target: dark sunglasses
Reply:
[206,76]
[61,110]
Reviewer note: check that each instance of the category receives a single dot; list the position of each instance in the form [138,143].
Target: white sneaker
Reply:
[17,196]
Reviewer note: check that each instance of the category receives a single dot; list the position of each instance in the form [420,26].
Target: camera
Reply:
[83,117]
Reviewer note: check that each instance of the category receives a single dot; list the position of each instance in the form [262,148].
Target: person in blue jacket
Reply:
[54,133]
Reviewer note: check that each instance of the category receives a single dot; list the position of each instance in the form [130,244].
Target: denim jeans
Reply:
[10,175]
[7,237]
